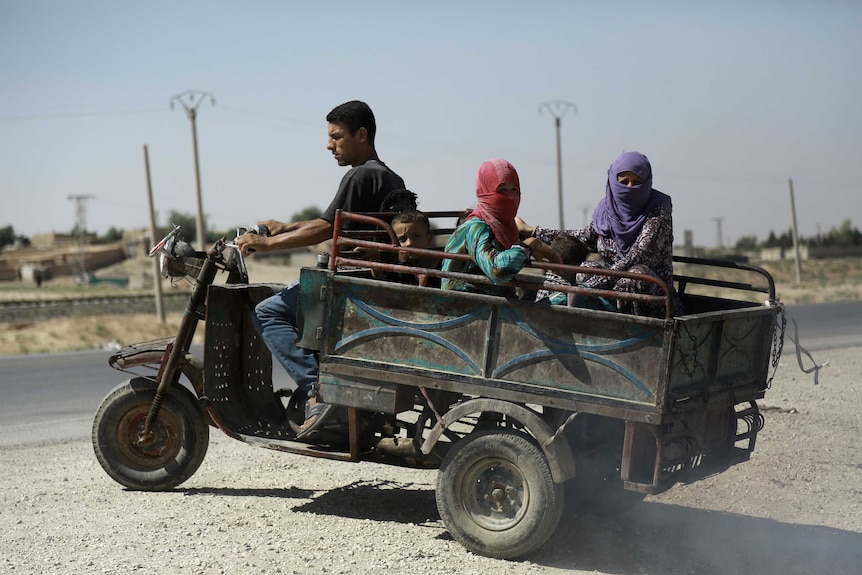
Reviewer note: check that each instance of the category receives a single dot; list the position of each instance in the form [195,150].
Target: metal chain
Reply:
[777,343]
[690,371]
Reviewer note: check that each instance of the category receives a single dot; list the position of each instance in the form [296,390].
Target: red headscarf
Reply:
[497,210]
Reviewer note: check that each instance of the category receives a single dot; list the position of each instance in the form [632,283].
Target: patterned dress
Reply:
[571,300]
[650,254]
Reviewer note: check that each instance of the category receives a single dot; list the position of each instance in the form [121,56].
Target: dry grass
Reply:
[101,331]
[84,333]
[821,280]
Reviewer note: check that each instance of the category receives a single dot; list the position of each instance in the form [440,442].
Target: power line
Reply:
[271,116]
[71,115]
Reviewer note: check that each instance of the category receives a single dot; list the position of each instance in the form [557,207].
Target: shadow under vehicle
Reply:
[523,407]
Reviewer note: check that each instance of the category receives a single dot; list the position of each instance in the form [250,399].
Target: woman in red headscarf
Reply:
[490,235]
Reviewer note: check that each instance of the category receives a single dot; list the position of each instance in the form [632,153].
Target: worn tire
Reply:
[496,495]
[179,447]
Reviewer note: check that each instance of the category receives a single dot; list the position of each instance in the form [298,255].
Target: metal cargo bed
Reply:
[555,356]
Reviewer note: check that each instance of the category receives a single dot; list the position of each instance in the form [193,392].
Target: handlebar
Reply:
[179,259]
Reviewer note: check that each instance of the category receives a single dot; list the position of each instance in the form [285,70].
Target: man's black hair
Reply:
[354,115]
[572,250]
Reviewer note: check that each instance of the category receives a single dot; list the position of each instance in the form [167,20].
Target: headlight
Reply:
[179,259]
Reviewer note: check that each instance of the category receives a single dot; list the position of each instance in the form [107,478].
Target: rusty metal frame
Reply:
[340,238]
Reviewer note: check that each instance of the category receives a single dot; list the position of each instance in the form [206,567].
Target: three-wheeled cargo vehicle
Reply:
[519,405]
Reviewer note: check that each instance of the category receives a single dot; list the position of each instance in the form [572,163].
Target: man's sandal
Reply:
[315,415]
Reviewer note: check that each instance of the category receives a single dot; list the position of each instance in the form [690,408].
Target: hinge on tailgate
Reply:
[322,293]
[319,333]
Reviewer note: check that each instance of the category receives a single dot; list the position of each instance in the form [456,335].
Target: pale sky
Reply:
[729,99]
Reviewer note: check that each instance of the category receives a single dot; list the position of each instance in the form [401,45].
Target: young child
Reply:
[572,252]
[412,230]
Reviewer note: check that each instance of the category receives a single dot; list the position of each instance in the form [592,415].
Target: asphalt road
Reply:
[53,397]
[50,397]
[826,325]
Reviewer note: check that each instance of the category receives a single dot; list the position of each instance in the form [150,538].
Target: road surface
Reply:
[53,397]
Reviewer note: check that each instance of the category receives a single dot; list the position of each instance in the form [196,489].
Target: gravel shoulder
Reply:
[795,507]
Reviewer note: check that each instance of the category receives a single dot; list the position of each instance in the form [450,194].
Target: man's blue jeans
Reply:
[275,320]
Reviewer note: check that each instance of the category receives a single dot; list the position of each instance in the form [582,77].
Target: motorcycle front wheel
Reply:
[173,452]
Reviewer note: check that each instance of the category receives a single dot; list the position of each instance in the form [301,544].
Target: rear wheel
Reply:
[496,495]
[172,454]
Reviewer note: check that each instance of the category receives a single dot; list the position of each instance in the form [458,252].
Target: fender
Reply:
[191,366]
[554,445]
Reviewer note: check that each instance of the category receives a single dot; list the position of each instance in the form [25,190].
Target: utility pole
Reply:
[81,230]
[558,109]
[157,276]
[795,235]
[718,231]
[190,100]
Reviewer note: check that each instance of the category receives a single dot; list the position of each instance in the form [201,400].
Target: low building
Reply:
[33,264]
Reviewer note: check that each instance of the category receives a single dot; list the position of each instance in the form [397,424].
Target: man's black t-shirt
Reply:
[363,189]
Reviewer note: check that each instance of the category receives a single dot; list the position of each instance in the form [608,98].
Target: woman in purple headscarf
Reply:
[632,231]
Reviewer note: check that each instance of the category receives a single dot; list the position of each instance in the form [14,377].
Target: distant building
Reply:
[54,240]
[32,263]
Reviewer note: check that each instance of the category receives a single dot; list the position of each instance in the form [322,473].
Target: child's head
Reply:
[412,229]
[572,251]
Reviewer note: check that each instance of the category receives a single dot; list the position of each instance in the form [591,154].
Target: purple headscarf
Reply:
[622,212]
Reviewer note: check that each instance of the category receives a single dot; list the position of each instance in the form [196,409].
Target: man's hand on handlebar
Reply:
[254,240]
[250,242]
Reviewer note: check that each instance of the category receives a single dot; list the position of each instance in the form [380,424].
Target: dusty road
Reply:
[796,507]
